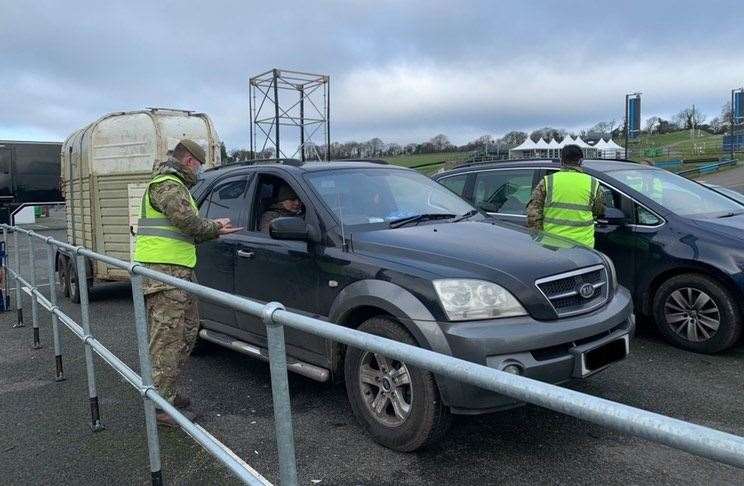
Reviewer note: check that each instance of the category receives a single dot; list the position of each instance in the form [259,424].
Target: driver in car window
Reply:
[287,204]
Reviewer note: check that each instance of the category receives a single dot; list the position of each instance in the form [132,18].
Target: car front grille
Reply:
[563,291]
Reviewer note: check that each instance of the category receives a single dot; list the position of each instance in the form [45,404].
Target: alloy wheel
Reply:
[692,314]
[386,388]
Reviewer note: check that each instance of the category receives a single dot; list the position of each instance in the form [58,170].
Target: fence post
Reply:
[19,302]
[95,416]
[32,284]
[143,348]
[59,375]
[280,395]
[6,277]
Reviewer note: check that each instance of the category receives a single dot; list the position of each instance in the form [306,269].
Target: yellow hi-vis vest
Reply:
[157,240]
[568,206]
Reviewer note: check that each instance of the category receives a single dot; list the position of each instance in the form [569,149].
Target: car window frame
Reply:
[220,183]
[473,174]
[600,176]
[311,216]
[467,188]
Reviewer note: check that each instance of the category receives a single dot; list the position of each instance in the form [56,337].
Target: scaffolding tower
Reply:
[307,108]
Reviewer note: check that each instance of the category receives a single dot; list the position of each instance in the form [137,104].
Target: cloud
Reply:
[400,71]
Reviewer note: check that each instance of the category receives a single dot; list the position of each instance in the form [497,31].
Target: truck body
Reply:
[29,172]
[105,168]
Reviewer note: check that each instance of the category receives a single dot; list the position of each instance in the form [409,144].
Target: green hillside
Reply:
[422,159]
[677,145]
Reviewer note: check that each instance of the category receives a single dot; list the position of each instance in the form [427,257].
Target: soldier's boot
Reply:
[166,420]
[180,401]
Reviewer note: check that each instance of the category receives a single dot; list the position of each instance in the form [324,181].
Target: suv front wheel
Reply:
[397,404]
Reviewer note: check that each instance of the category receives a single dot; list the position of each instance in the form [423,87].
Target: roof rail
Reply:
[371,161]
[502,161]
[291,162]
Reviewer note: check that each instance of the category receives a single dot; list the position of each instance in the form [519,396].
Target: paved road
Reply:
[46,440]
[733,178]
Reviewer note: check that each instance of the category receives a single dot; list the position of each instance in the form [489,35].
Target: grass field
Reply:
[678,145]
[675,145]
[421,159]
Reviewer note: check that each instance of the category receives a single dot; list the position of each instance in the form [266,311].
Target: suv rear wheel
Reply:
[697,313]
[397,404]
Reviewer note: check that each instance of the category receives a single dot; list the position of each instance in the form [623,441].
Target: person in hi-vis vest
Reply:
[567,202]
[168,231]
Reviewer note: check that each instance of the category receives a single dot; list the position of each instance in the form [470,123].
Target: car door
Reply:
[504,193]
[216,258]
[285,271]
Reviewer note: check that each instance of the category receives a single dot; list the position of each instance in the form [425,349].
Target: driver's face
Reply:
[292,205]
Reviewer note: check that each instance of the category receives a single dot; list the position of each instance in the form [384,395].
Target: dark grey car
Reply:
[390,252]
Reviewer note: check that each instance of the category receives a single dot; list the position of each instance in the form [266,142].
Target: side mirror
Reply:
[612,217]
[289,228]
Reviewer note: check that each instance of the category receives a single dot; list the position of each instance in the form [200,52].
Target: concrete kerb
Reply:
[696,439]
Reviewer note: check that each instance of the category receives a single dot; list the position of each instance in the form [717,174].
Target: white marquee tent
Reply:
[552,149]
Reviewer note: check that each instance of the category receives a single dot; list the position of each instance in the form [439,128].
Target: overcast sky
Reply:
[400,70]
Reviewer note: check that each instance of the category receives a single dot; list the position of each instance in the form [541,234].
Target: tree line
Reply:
[686,118]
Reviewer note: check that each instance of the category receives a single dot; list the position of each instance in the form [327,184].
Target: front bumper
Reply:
[548,351]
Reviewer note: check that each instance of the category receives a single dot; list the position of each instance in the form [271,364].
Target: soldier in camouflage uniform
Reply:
[172,313]
[537,201]
[287,204]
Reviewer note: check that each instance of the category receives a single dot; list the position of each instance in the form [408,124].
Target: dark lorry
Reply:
[388,251]
[29,172]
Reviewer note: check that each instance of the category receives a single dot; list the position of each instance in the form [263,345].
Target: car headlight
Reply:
[465,299]
[611,269]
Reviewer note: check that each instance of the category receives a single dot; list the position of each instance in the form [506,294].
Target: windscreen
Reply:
[378,196]
[677,194]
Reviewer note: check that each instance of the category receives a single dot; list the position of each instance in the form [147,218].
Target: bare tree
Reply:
[513,138]
[440,143]
[689,117]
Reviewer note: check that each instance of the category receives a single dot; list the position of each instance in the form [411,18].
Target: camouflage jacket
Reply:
[275,211]
[537,203]
[173,200]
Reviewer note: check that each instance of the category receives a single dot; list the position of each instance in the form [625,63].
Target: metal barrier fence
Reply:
[703,441]
[707,168]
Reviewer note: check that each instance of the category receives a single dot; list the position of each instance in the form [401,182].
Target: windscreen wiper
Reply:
[397,223]
[728,215]
[465,216]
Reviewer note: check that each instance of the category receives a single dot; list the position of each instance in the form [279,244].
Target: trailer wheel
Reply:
[72,282]
[62,271]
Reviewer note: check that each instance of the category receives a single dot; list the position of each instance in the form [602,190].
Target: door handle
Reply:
[246,254]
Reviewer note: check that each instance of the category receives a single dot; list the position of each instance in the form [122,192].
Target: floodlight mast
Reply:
[733,118]
[309,111]
[627,124]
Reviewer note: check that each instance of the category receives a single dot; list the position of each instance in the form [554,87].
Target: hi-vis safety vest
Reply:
[157,240]
[568,206]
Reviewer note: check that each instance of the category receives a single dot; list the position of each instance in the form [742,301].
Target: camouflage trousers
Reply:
[173,320]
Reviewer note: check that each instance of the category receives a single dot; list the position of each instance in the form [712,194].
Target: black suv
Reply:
[677,244]
[388,251]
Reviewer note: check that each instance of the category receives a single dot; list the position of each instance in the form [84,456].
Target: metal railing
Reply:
[703,441]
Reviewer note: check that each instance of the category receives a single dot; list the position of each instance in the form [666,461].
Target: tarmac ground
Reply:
[46,437]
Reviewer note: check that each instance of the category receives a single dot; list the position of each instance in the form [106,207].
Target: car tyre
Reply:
[72,282]
[697,313]
[397,404]
[64,282]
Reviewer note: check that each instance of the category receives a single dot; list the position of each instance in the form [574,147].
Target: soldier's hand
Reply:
[223,222]
[229,228]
